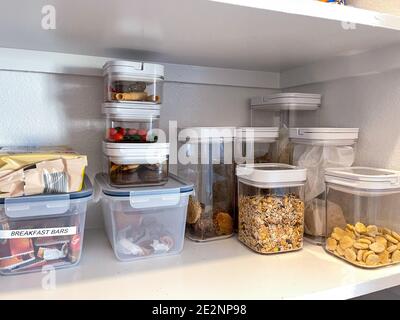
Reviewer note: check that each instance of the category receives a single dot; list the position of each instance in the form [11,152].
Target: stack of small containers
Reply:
[144,209]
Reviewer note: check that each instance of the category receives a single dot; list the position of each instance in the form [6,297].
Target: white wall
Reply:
[371,103]
[49,109]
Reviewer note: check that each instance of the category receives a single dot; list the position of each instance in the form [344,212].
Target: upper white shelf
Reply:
[262,35]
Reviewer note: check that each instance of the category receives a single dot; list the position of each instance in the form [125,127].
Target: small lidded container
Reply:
[271,207]
[316,149]
[140,164]
[131,81]
[131,123]
[363,221]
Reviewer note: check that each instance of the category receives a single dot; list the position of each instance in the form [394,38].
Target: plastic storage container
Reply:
[131,122]
[128,81]
[256,144]
[271,207]
[206,160]
[367,200]
[317,149]
[141,164]
[43,231]
[145,222]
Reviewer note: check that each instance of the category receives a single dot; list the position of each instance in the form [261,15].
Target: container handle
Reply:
[35,206]
[142,200]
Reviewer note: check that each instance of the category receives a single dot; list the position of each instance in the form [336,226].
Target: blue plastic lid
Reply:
[87,191]
[174,185]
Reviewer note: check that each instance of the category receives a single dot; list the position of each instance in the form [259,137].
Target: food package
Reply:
[30,171]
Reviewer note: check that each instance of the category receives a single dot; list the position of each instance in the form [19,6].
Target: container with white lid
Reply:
[367,200]
[317,149]
[131,164]
[145,222]
[287,101]
[271,207]
[127,81]
[205,158]
[134,123]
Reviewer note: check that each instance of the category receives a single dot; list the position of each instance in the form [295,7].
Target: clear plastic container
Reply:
[271,207]
[131,123]
[42,232]
[131,164]
[362,214]
[317,149]
[145,222]
[205,158]
[130,81]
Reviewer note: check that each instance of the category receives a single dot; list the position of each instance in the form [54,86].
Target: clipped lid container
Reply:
[206,134]
[140,152]
[257,134]
[324,136]
[364,178]
[130,111]
[271,175]
[133,69]
[287,101]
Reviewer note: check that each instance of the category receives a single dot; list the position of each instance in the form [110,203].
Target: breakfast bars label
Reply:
[36,233]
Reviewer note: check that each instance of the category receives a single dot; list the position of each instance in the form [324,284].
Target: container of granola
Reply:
[136,164]
[271,207]
[133,81]
[368,236]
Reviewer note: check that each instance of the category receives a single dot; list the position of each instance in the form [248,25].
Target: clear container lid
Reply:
[287,101]
[130,111]
[257,134]
[207,134]
[294,95]
[364,178]
[332,136]
[133,70]
[271,175]
[125,153]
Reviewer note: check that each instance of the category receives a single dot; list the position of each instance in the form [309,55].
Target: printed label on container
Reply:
[37,233]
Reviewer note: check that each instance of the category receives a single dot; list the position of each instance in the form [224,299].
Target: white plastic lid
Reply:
[364,178]
[130,111]
[257,134]
[340,136]
[140,70]
[207,134]
[271,175]
[136,152]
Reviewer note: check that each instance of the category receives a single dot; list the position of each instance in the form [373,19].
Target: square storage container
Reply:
[205,158]
[145,222]
[129,164]
[130,81]
[43,231]
[131,122]
[271,207]
[367,200]
[317,149]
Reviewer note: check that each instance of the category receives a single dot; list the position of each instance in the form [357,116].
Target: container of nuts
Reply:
[368,198]
[271,207]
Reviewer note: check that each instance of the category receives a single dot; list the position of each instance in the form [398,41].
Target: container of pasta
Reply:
[131,123]
[132,81]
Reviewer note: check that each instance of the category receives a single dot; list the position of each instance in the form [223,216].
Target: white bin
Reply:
[145,222]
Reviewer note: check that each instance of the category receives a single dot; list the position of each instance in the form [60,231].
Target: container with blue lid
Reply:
[42,231]
[145,222]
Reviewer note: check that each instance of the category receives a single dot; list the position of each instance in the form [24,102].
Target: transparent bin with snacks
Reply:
[205,158]
[271,207]
[145,222]
[140,164]
[42,231]
[131,81]
[316,149]
[132,123]
[368,201]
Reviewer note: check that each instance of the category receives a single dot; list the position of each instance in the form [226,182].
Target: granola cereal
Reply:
[271,223]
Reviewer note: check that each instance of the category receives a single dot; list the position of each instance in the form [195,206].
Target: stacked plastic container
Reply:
[144,209]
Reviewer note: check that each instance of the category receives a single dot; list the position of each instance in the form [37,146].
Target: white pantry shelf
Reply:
[222,269]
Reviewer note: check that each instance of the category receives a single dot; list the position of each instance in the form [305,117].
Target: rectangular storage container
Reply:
[363,221]
[145,222]
[42,231]
[132,123]
[143,164]
[131,81]
[271,207]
